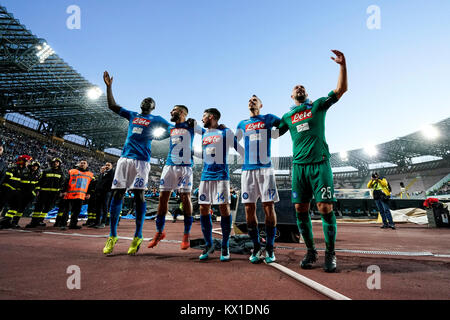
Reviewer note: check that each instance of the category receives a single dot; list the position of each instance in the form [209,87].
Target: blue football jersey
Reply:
[180,149]
[140,134]
[215,151]
[257,140]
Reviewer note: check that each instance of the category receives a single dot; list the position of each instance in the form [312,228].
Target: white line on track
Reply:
[310,283]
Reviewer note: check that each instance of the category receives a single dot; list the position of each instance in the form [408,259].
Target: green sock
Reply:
[329,230]
[305,227]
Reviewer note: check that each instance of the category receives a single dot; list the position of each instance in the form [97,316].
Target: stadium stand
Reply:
[19,141]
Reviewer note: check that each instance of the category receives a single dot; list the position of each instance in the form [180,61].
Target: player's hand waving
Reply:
[108,80]
[340,58]
[191,123]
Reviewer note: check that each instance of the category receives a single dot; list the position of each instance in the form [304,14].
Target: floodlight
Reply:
[44,52]
[94,93]
[371,150]
[430,132]
[343,155]
[159,132]
[198,149]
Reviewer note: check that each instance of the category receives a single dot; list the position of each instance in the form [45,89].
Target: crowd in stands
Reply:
[16,144]
[444,190]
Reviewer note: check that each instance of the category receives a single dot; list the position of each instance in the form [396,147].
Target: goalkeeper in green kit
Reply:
[311,175]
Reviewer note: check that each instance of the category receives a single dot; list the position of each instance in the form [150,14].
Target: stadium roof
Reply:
[409,152]
[37,83]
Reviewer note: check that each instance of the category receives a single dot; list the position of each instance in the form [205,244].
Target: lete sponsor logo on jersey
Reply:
[255,126]
[211,140]
[300,116]
[178,132]
[141,122]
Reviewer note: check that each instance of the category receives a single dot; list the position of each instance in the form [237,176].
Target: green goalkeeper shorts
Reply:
[314,179]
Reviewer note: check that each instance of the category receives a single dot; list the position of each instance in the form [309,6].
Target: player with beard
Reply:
[177,174]
[258,177]
[133,167]
[312,175]
[215,181]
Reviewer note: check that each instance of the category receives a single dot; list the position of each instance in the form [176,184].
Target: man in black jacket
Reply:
[103,195]
[49,188]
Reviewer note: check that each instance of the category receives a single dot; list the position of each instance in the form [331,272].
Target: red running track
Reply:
[34,266]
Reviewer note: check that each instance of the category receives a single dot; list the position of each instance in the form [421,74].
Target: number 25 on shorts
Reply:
[326,193]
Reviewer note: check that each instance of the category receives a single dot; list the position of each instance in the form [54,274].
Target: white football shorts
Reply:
[131,174]
[176,178]
[259,183]
[214,192]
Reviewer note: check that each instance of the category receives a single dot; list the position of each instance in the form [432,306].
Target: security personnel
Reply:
[77,190]
[49,187]
[22,179]
[11,188]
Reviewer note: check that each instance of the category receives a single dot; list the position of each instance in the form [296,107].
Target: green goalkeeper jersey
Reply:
[307,126]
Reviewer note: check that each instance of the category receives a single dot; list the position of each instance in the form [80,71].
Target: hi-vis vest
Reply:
[78,184]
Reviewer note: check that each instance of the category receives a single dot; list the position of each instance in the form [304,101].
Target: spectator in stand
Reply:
[18,143]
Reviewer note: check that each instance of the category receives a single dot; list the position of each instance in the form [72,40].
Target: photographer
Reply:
[381,195]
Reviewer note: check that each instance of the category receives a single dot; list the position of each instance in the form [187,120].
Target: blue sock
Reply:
[253,232]
[270,237]
[115,210]
[160,222]
[225,223]
[206,222]
[141,208]
[188,224]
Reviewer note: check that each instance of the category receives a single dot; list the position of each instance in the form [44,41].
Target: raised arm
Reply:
[113,106]
[342,81]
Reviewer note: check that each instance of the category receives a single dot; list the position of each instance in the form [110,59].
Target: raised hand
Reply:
[191,123]
[340,58]
[108,80]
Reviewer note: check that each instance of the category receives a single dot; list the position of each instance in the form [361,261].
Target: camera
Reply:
[375,175]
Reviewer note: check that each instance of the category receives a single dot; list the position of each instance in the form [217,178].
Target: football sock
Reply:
[206,223]
[116,209]
[140,218]
[270,237]
[225,223]
[160,222]
[330,230]
[253,232]
[188,224]
[305,227]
